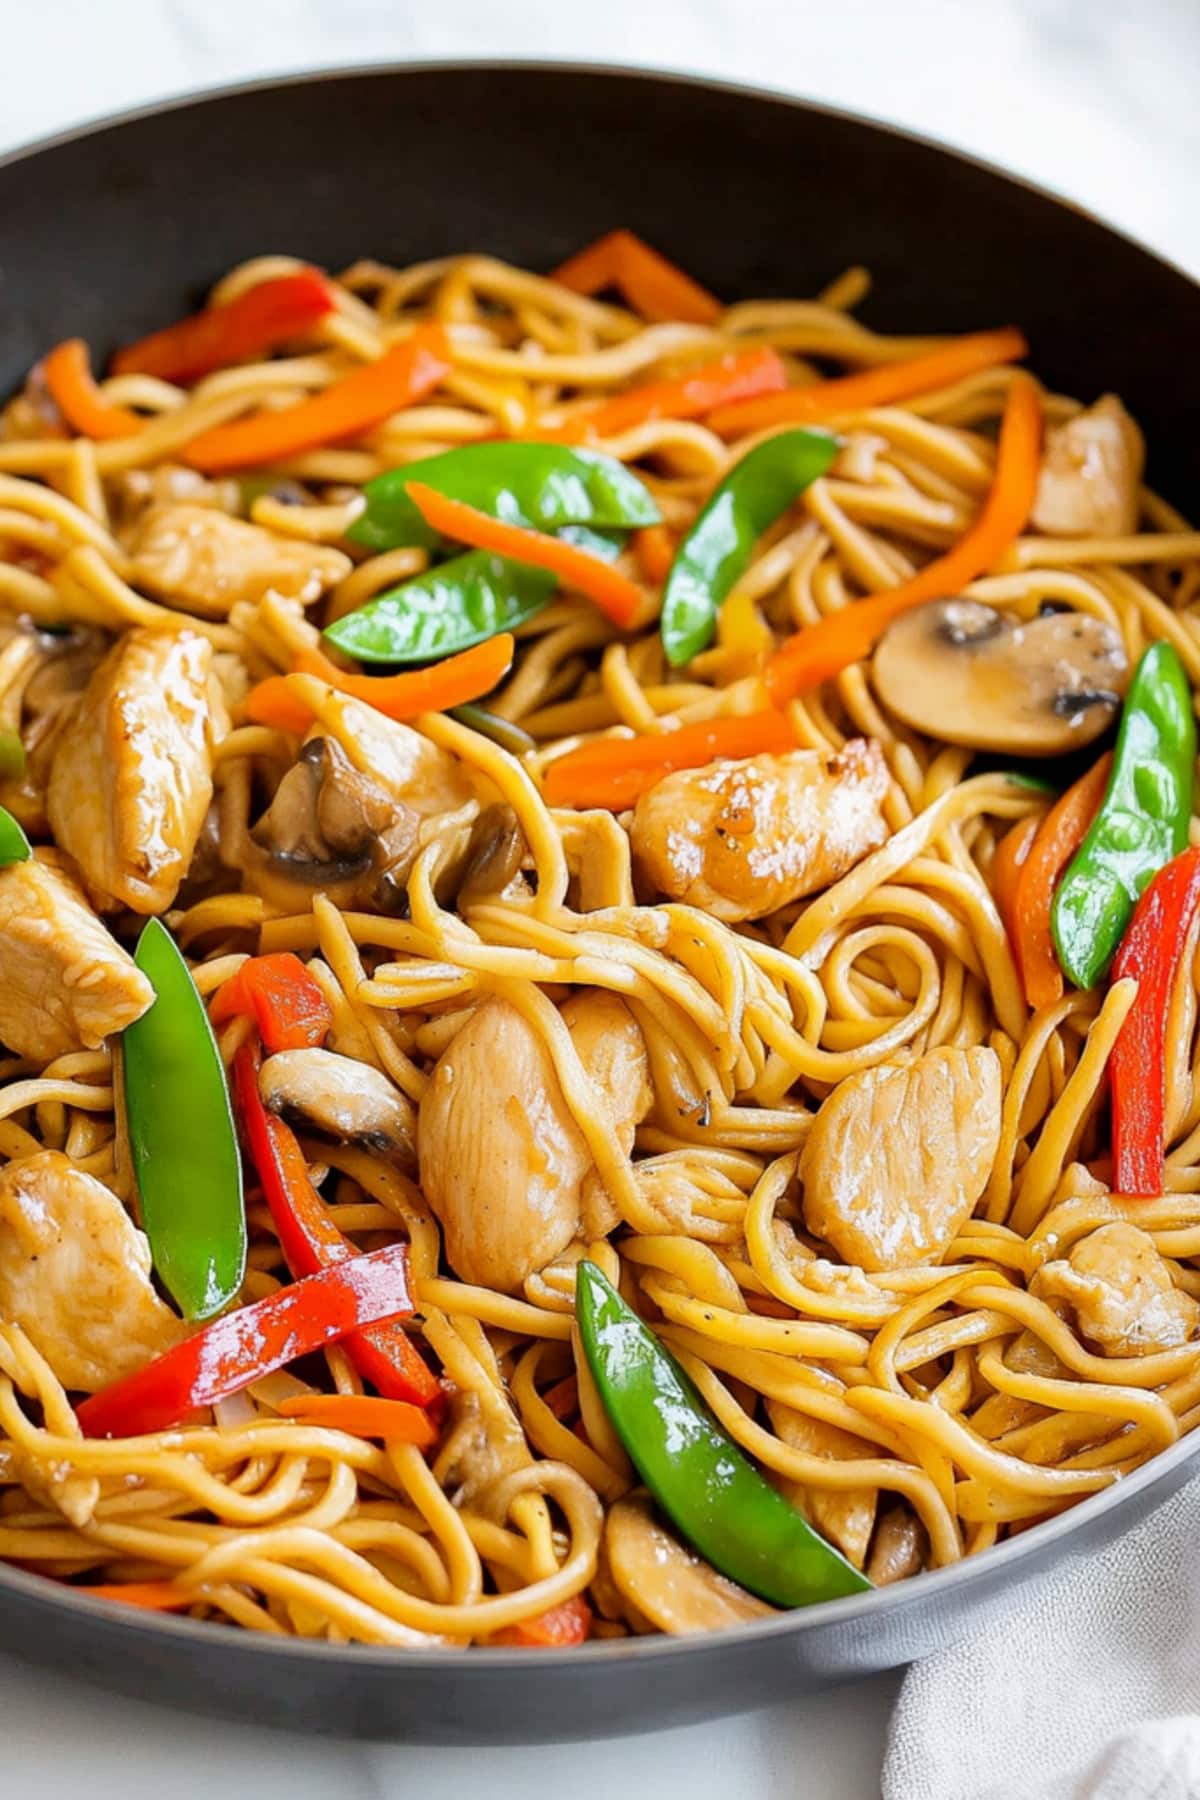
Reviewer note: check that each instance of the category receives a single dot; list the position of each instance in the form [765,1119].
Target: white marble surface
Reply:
[1095,98]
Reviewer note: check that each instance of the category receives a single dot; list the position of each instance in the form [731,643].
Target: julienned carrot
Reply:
[823,650]
[618,598]
[563,1397]
[363,1415]
[265,316]
[873,387]
[1059,837]
[155,1596]
[68,376]
[1006,865]
[346,409]
[613,772]
[653,286]
[737,376]
[452,682]
[554,1630]
[654,549]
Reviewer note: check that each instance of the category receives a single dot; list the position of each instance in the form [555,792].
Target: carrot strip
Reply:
[618,598]
[452,682]
[654,549]
[653,286]
[349,407]
[363,1415]
[563,1397]
[615,771]
[68,376]
[737,376]
[825,649]
[1059,837]
[873,387]
[1006,865]
[155,1596]
[265,316]
[554,1630]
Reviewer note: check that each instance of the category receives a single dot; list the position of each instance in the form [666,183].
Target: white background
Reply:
[1099,99]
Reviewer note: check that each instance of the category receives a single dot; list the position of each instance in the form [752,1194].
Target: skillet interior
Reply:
[106,233]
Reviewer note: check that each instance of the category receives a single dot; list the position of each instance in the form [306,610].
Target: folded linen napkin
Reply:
[1087,1689]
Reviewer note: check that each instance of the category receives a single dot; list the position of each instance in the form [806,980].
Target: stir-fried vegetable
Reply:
[557,1629]
[491,725]
[153,1596]
[67,372]
[348,407]
[1058,838]
[181,1136]
[613,772]
[241,1347]
[694,1469]
[537,484]
[12,756]
[265,316]
[718,547]
[282,998]
[653,286]
[654,548]
[363,1415]
[738,375]
[310,1239]
[468,676]
[821,651]
[446,610]
[1142,821]
[1011,855]
[873,387]
[1151,951]
[14,845]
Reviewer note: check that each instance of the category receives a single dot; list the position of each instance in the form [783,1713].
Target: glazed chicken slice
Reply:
[741,839]
[1120,1288]
[132,774]
[75,1274]
[1091,474]
[65,983]
[200,559]
[846,1516]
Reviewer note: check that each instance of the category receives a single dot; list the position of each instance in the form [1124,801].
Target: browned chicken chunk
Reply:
[203,561]
[741,839]
[1121,1292]
[75,1274]
[898,1155]
[1091,474]
[132,774]
[65,984]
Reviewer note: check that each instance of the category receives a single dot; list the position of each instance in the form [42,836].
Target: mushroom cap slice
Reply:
[674,1588]
[963,672]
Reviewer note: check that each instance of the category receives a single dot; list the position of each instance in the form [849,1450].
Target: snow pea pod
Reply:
[14,845]
[524,483]
[719,545]
[715,1497]
[1142,822]
[182,1137]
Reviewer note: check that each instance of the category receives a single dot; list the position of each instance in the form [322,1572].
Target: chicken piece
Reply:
[899,1549]
[667,1584]
[897,1157]
[503,1163]
[200,559]
[613,1052]
[132,774]
[406,765]
[75,1274]
[65,984]
[846,1516]
[1121,1291]
[741,839]
[1091,474]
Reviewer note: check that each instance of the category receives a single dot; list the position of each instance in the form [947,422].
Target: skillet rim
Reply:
[1030,1546]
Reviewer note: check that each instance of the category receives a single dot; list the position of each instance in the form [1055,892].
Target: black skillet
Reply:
[111,231]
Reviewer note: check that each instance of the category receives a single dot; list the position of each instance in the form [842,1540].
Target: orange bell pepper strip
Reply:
[653,286]
[346,409]
[873,387]
[282,998]
[1007,863]
[557,1629]
[654,551]
[614,772]
[68,376]
[363,1415]
[452,682]
[736,376]
[154,1596]
[618,598]
[820,651]
[1058,838]
[265,316]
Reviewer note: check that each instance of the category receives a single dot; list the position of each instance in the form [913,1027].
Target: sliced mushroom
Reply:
[495,852]
[899,1547]
[343,1098]
[675,1589]
[962,672]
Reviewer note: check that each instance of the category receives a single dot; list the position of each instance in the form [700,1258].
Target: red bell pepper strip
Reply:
[153,1596]
[309,1238]
[738,375]
[241,1347]
[557,1629]
[265,316]
[653,286]
[363,1415]
[1151,950]
[282,998]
